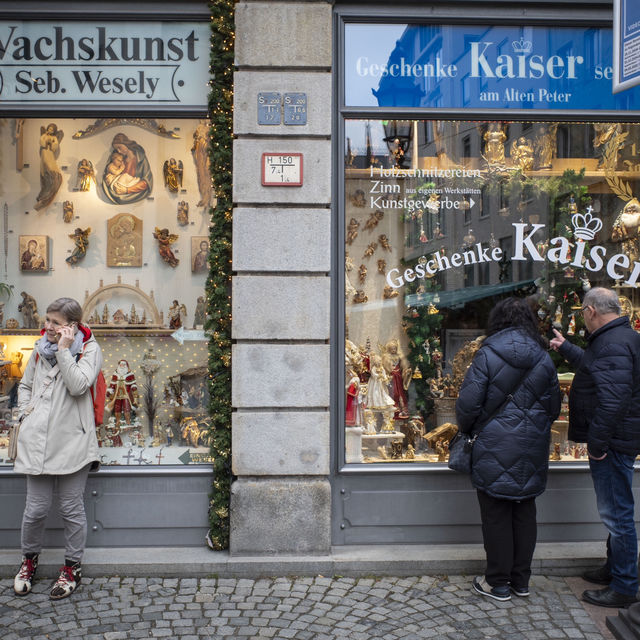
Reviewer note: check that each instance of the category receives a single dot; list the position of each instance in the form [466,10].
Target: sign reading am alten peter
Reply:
[144,63]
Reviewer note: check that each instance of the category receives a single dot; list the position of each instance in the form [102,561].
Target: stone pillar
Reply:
[281,500]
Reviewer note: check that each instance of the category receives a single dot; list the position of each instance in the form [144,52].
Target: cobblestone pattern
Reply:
[299,608]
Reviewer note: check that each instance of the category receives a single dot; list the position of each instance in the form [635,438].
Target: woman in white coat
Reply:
[57,444]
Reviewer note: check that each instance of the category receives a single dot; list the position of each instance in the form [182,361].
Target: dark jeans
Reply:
[509,531]
[612,479]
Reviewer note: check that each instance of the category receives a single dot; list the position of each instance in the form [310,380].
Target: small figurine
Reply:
[177,314]
[573,207]
[122,392]
[368,252]
[352,230]
[572,325]
[29,309]
[522,154]
[494,139]
[119,317]
[200,152]
[374,219]
[411,453]
[81,239]
[86,174]
[172,171]
[382,266]
[67,211]
[362,274]
[133,315]
[105,314]
[358,198]
[165,240]
[360,297]
[556,452]
[389,292]
[183,213]
[200,313]
[384,242]
[557,319]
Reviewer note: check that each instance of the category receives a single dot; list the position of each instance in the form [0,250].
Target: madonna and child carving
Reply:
[127,177]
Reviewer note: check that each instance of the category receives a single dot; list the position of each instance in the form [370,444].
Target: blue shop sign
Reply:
[481,67]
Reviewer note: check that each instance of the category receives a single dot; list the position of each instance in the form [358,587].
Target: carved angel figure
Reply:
[374,219]
[86,174]
[172,171]
[352,230]
[183,213]
[165,240]
[522,154]
[177,315]
[50,174]
[81,238]
[67,211]
[200,151]
[494,139]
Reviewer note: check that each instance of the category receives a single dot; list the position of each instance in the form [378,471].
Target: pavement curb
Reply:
[380,560]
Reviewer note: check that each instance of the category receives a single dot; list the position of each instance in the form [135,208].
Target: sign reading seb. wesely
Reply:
[130,64]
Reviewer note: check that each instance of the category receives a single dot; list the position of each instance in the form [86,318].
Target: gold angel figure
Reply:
[183,213]
[67,211]
[165,240]
[172,171]
[86,174]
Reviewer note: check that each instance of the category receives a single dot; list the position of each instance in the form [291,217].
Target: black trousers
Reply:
[509,531]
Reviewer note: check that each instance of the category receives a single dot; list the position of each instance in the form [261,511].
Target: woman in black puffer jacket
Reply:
[510,397]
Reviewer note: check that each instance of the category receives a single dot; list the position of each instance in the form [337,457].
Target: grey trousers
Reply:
[70,489]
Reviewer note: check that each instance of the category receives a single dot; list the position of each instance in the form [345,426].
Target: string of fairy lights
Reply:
[218,288]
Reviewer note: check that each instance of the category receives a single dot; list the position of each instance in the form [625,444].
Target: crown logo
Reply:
[522,46]
[585,225]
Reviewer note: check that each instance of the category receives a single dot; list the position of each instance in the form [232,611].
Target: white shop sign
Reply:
[137,64]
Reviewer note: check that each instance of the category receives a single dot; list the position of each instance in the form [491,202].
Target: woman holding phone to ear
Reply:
[57,444]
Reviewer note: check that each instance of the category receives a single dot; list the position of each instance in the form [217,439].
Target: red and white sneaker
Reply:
[67,582]
[24,578]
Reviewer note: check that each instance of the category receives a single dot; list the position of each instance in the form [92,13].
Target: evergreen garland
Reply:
[218,287]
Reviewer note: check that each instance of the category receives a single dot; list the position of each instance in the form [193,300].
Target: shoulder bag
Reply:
[15,428]
[461,445]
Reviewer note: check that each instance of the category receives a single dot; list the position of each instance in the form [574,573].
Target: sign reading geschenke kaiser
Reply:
[141,64]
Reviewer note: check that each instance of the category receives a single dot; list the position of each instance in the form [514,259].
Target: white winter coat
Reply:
[59,436]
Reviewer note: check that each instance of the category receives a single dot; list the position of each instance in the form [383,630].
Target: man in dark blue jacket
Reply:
[604,412]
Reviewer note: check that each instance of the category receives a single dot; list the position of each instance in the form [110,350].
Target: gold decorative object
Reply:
[360,297]
[358,198]
[124,241]
[545,145]
[627,307]
[352,230]
[183,213]
[165,240]
[67,211]
[432,309]
[172,171]
[494,139]
[200,152]
[390,292]
[433,204]
[382,266]
[368,252]
[626,229]
[86,174]
[522,153]
[362,273]
[384,242]
[374,218]
[50,174]
[81,240]
[102,124]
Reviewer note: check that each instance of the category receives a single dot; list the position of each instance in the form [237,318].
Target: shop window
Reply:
[554,212]
[114,212]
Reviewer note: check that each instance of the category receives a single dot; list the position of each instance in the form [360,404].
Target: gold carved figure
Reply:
[200,151]
[124,241]
[165,240]
[522,153]
[494,139]
[67,211]
[86,174]
[172,172]
[545,145]
[625,229]
[81,239]
[183,213]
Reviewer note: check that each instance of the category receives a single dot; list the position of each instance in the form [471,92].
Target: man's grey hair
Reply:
[602,300]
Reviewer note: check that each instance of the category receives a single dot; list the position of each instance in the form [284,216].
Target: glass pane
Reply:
[113,212]
[442,219]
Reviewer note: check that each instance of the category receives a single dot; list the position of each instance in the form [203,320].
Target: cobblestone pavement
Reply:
[300,608]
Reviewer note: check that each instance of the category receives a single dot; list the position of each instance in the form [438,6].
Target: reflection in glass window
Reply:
[444,218]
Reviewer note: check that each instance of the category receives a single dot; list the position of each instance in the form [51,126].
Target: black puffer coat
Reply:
[511,453]
[604,402]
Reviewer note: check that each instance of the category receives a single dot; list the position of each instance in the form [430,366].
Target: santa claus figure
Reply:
[122,393]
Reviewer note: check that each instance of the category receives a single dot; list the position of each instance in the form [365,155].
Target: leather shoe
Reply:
[601,575]
[607,597]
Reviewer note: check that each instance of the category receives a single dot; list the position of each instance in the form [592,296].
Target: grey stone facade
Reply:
[281,500]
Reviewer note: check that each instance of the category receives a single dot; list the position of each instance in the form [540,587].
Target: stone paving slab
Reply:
[299,608]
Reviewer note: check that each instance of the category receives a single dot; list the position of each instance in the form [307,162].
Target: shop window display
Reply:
[443,219]
[113,212]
